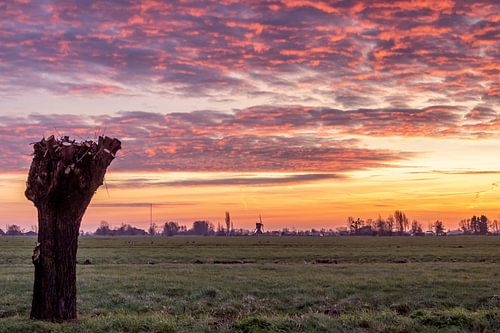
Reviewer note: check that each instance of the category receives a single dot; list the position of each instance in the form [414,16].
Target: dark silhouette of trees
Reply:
[202,228]
[360,227]
[351,225]
[354,225]
[465,226]
[381,227]
[124,230]
[494,226]
[438,228]
[372,224]
[366,230]
[14,230]
[220,231]
[128,230]
[475,225]
[228,224]
[416,227]
[483,225]
[401,221]
[170,229]
[390,224]
[103,229]
[152,229]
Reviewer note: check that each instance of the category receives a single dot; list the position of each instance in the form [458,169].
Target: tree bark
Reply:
[63,177]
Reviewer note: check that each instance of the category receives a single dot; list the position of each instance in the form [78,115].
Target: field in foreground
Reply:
[266,284]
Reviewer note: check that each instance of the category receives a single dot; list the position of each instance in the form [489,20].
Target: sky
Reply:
[306,112]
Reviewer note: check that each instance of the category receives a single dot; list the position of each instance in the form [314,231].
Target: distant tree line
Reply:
[124,230]
[479,226]
[15,230]
[397,224]
[202,228]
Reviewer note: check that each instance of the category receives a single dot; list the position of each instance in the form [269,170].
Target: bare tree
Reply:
[494,226]
[401,221]
[439,228]
[170,228]
[381,226]
[390,224]
[152,229]
[202,228]
[354,225]
[14,230]
[228,224]
[63,177]
[465,225]
[474,224]
[483,225]
[103,229]
[416,227]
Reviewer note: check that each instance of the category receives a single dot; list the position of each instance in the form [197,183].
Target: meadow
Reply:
[267,284]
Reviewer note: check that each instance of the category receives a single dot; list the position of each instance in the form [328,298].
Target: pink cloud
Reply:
[234,48]
[261,138]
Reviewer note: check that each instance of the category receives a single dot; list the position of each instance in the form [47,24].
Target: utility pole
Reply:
[152,227]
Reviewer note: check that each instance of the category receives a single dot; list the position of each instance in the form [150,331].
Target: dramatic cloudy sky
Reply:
[304,111]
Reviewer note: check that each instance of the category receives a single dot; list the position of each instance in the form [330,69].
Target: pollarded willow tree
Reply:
[63,177]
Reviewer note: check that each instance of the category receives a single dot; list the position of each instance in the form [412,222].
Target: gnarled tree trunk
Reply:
[63,177]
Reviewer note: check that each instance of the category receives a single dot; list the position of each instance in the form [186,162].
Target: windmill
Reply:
[259,227]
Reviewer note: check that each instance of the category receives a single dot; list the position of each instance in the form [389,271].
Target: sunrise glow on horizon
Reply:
[306,112]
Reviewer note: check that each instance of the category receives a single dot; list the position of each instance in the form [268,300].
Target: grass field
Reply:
[266,284]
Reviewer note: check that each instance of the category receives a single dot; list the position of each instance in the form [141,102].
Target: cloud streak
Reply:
[229,181]
[140,204]
[198,141]
[260,138]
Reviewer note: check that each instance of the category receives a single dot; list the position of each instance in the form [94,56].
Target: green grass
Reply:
[399,284]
